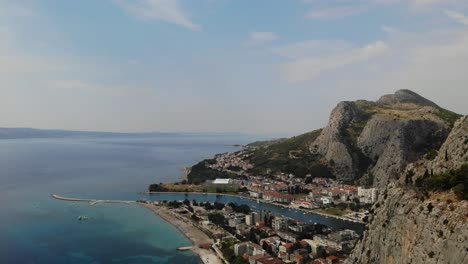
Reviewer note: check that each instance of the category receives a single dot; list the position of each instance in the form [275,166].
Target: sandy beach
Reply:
[195,235]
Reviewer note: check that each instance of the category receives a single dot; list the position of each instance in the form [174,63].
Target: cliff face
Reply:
[378,139]
[407,227]
[392,144]
[454,152]
[333,144]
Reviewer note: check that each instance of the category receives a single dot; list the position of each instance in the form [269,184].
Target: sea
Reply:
[35,228]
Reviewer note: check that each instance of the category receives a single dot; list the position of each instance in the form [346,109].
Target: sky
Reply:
[263,66]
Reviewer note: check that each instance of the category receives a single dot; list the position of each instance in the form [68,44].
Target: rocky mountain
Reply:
[415,221]
[374,141]
[413,151]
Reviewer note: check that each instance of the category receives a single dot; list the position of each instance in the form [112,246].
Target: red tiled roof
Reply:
[288,245]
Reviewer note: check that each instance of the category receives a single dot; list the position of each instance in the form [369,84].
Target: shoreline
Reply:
[194,235]
[189,231]
[263,201]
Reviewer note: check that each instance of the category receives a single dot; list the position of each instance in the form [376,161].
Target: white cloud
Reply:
[164,10]
[309,68]
[335,12]
[390,30]
[337,9]
[459,17]
[259,38]
[433,63]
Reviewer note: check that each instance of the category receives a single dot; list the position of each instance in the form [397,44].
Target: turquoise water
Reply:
[34,228]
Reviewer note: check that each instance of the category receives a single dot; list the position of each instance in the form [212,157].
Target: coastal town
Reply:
[237,234]
[318,194]
[240,234]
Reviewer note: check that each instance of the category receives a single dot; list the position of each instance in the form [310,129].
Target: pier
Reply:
[90,201]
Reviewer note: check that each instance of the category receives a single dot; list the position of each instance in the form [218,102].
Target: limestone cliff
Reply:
[376,140]
[409,226]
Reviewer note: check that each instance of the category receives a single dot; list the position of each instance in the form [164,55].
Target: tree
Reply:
[217,219]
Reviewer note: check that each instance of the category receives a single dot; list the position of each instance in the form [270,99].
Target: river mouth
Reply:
[307,217]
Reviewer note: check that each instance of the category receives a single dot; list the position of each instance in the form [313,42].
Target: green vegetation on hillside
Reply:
[448,116]
[200,172]
[457,180]
[289,156]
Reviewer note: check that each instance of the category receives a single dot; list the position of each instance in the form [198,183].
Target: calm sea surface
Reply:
[34,228]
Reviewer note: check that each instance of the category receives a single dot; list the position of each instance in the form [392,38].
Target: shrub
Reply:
[454,179]
[431,254]
[432,154]
[430,207]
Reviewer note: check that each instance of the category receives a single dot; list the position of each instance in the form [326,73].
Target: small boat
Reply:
[82,217]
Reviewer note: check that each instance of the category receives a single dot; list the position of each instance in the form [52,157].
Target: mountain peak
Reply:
[405,96]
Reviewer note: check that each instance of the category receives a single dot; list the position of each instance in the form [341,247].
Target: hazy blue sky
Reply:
[262,66]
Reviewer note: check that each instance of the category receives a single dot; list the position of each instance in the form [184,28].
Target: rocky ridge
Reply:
[376,140]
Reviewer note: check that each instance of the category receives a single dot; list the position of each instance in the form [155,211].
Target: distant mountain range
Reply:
[18,133]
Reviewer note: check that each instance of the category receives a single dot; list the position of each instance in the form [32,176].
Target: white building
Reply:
[367,195]
[248,247]
[251,218]
[222,181]
[278,223]
[326,200]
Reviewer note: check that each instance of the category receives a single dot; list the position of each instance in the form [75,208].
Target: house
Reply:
[326,200]
[278,223]
[249,248]
[288,236]
[367,195]
[255,194]
[314,245]
[275,196]
[236,219]
[286,248]
[256,258]
[272,242]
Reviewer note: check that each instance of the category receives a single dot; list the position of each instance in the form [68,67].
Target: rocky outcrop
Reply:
[454,152]
[451,155]
[379,139]
[405,97]
[407,227]
[333,143]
